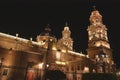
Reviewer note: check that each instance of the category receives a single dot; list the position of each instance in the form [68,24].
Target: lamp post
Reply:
[45,60]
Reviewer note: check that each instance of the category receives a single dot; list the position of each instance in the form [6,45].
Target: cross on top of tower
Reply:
[94,7]
[66,24]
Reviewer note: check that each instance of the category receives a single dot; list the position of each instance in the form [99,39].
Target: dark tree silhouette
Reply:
[55,75]
[99,76]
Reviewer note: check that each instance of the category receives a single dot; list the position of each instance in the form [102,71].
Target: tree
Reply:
[55,75]
[99,76]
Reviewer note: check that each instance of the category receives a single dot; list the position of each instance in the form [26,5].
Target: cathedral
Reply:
[23,59]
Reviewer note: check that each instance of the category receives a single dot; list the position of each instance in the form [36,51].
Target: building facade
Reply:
[23,59]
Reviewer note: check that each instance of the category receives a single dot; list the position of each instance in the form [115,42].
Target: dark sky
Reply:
[29,18]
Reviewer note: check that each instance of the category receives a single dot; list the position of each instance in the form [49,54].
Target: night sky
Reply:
[28,18]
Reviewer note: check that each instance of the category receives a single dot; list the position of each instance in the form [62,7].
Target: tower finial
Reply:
[66,24]
[94,2]
[94,7]
[48,25]
[47,28]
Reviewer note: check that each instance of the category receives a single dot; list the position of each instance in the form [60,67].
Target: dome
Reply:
[47,31]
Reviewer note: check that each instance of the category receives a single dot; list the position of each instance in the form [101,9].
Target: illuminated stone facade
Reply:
[23,59]
[66,40]
[98,44]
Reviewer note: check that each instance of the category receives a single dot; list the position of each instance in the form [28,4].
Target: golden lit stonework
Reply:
[98,44]
[26,58]
[97,31]
[66,40]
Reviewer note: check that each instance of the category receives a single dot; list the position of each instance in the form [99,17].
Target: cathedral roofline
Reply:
[23,45]
[18,38]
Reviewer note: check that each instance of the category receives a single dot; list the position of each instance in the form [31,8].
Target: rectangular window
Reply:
[72,68]
[67,68]
[78,67]
[5,72]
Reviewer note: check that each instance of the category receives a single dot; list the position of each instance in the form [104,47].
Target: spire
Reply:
[66,24]
[66,30]
[66,27]
[95,17]
[66,39]
[48,25]
[94,3]
[48,28]
[94,8]
[47,31]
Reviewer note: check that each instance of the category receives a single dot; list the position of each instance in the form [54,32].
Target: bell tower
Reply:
[66,39]
[98,44]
